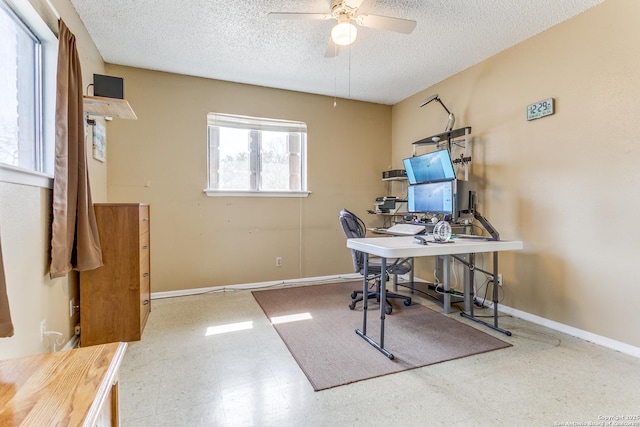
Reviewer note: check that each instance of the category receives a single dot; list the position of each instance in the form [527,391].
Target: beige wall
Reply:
[566,184]
[199,241]
[25,223]
[558,183]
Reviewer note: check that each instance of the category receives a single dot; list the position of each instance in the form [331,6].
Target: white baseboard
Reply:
[560,327]
[569,330]
[257,285]
[73,342]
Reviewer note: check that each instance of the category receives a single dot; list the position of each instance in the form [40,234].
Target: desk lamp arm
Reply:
[436,98]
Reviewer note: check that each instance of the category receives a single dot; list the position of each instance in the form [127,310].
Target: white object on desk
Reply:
[405,229]
[442,231]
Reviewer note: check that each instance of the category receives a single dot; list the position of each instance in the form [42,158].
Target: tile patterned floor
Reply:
[177,375]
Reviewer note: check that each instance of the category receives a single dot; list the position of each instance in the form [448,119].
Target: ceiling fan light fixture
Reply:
[344,33]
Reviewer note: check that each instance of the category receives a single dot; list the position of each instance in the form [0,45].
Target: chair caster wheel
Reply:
[388,309]
[354,295]
[352,306]
[407,302]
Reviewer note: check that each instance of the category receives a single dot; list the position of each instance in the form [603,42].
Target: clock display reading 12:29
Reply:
[540,109]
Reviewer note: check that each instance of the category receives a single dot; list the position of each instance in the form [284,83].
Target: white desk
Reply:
[407,247]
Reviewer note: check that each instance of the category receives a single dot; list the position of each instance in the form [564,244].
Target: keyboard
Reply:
[406,229]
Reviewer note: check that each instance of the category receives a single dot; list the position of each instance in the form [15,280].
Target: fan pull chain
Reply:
[349,77]
[335,75]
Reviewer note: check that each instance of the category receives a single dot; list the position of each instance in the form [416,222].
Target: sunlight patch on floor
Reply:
[290,318]
[231,327]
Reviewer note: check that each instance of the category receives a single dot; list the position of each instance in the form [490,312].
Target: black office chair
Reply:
[354,227]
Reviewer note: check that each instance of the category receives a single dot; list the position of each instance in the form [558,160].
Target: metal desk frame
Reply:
[405,247]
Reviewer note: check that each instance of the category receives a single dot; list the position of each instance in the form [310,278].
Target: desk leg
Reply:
[365,293]
[383,298]
[469,294]
[495,290]
[495,301]
[445,277]
[411,273]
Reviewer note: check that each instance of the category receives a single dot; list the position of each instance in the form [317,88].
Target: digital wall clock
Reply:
[540,109]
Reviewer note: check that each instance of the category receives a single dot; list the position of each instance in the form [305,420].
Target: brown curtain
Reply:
[74,242]
[6,327]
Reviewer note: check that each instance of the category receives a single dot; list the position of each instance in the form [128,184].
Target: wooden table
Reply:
[66,388]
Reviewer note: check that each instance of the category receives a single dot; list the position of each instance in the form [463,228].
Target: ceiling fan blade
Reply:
[332,49]
[386,23]
[293,15]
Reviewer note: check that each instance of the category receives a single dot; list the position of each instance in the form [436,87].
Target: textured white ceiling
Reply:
[233,40]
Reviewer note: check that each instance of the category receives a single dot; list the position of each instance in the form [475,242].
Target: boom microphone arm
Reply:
[477,215]
[487,225]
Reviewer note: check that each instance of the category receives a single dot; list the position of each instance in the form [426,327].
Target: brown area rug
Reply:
[329,351]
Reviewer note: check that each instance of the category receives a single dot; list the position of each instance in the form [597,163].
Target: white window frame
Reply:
[256,124]
[42,175]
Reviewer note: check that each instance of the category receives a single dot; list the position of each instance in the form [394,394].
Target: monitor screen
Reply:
[430,167]
[433,198]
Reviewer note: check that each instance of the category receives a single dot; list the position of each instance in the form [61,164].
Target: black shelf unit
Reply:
[444,136]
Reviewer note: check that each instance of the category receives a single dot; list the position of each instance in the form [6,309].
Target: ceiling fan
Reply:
[344,32]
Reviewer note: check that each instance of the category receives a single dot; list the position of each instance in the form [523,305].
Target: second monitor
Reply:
[451,199]
[435,198]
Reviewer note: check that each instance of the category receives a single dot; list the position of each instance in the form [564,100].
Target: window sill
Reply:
[25,177]
[221,193]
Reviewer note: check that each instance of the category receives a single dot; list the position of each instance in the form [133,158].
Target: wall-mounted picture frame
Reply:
[99,142]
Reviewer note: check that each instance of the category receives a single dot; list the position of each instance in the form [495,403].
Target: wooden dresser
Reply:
[66,388]
[115,299]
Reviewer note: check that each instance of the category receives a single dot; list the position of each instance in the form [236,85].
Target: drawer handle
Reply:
[145,247]
[145,219]
[145,275]
[146,302]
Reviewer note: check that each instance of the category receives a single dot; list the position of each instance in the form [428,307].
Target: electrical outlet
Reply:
[71,307]
[499,279]
[278,261]
[43,329]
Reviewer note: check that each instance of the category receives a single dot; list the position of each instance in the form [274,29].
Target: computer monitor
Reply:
[430,167]
[436,198]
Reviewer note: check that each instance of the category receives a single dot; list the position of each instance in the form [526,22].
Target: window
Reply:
[28,51]
[256,156]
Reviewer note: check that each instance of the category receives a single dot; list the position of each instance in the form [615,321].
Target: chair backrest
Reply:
[353,227]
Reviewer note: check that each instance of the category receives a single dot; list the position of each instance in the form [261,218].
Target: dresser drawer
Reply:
[145,300]
[145,264]
[144,246]
[143,211]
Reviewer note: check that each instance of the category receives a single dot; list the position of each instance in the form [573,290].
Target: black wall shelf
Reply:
[444,136]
